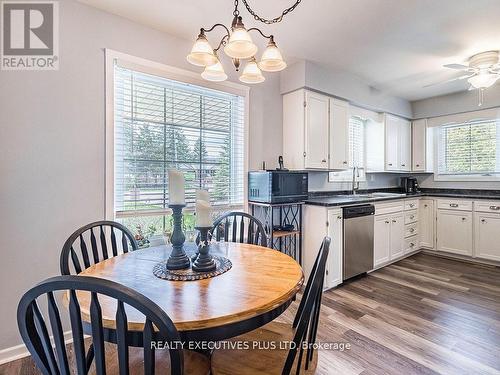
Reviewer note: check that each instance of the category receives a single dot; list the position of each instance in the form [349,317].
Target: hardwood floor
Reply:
[422,315]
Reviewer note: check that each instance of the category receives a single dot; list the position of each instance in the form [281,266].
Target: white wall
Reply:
[344,85]
[459,102]
[52,144]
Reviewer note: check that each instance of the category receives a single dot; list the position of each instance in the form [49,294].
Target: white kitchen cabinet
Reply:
[317,122]
[397,236]
[419,145]
[339,134]
[391,143]
[404,145]
[334,266]
[381,239]
[318,223]
[388,243]
[426,221]
[454,231]
[388,146]
[486,229]
[315,131]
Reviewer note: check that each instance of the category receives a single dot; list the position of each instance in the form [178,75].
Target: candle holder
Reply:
[204,261]
[178,259]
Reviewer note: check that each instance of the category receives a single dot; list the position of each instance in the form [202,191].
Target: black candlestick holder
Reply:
[204,261]
[178,259]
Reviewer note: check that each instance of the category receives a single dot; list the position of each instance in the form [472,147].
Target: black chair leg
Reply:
[90,357]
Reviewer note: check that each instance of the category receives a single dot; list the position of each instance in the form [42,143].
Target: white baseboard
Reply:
[20,351]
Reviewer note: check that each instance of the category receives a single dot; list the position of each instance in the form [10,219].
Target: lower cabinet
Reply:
[426,223]
[388,238]
[454,229]
[486,230]
[318,223]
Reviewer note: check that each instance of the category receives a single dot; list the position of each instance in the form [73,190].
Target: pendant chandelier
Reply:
[238,45]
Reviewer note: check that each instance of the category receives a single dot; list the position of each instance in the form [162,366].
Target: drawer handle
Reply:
[495,208]
[425,205]
[412,230]
[323,161]
[418,165]
[412,244]
[464,218]
[412,217]
[394,221]
[483,220]
[389,164]
[339,217]
[344,162]
[387,222]
[412,205]
[403,165]
[454,205]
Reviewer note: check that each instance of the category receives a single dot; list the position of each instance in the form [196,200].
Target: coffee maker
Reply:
[409,185]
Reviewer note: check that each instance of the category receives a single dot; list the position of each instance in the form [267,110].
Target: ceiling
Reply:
[397,46]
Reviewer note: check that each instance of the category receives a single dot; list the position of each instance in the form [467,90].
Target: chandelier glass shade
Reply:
[202,53]
[238,44]
[214,73]
[252,73]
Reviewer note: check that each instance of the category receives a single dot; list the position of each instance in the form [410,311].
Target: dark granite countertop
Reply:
[333,199]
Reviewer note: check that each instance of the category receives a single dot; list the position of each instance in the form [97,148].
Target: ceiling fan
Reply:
[482,71]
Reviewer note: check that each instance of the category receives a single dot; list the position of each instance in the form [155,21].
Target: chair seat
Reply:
[268,358]
[194,363]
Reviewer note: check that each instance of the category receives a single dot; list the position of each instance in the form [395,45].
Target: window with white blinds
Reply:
[469,149]
[161,124]
[356,152]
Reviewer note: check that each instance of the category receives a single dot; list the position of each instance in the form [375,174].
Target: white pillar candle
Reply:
[203,211]
[202,195]
[176,192]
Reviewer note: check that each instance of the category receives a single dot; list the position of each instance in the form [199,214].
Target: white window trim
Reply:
[456,178]
[168,72]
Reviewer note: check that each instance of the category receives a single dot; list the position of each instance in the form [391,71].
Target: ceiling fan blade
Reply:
[456,66]
[450,80]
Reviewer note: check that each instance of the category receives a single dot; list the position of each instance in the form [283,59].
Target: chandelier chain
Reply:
[261,19]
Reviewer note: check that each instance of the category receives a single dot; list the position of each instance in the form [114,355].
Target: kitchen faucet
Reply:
[355,184]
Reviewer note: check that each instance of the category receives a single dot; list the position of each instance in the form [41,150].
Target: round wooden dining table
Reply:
[260,285]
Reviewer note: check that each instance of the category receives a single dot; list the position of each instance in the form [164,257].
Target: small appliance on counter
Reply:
[410,185]
[277,186]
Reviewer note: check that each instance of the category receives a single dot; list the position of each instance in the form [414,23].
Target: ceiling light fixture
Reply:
[238,45]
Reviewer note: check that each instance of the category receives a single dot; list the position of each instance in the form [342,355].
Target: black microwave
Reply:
[277,186]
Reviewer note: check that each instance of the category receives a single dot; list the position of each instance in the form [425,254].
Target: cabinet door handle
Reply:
[464,218]
[344,162]
[387,222]
[412,230]
[412,217]
[323,161]
[339,217]
[483,220]
[454,205]
[425,206]
[389,164]
[412,205]
[418,165]
[394,221]
[403,165]
[304,154]
[412,244]
[495,208]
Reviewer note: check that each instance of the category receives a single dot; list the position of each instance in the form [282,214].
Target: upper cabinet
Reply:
[419,145]
[315,131]
[388,145]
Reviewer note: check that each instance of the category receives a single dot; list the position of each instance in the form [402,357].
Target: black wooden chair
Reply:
[93,243]
[267,360]
[109,358]
[240,227]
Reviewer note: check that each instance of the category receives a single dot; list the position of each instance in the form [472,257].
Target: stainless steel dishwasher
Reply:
[358,240]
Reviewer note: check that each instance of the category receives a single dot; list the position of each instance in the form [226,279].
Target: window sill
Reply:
[466,178]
